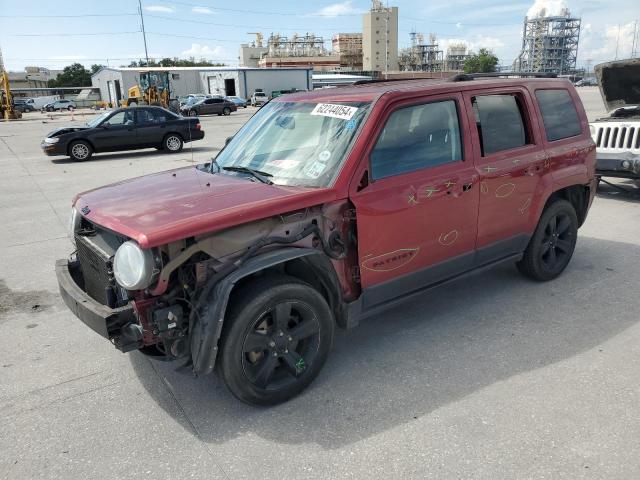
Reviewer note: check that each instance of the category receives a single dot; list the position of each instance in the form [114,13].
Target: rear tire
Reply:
[226,111]
[172,143]
[276,338]
[553,243]
[79,151]
[193,113]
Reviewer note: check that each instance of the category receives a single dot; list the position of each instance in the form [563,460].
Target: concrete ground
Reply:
[492,377]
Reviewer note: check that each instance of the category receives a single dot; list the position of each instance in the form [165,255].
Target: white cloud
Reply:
[204,51]
[546,8]
[159,8]
[203,10]
[336,9]
[602,44]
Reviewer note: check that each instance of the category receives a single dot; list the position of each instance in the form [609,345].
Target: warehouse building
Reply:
[114,83]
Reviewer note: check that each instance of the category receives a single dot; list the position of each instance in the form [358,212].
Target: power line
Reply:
[73,16]
[192,36]
[70,34]
[259,12]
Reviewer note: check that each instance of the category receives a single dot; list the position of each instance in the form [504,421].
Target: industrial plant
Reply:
[549,44]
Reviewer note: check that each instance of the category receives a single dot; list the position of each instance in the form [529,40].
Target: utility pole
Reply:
[144,34]
[634,45]
[617,42]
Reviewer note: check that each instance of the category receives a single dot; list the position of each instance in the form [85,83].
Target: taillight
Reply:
[198,126]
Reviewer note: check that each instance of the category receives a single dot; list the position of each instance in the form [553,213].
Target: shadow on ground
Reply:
[425,355]
[619,189]
[136,154]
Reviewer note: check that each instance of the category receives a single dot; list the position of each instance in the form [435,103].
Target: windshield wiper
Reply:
[262,176]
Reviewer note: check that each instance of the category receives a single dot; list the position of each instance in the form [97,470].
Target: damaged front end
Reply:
[179,315]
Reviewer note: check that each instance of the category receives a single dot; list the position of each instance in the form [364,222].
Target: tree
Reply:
[482,62]
[95,67]
[72,76]
[175,62]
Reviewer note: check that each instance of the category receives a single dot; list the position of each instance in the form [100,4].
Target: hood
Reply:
[619,83]
[61,131]
[176,204]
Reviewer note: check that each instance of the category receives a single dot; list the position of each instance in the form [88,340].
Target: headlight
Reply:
[52,140]
[74,224]
[133,267]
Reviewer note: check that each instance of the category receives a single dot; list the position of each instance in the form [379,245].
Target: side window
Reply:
[417,137]
[500,123]
[558,114]
[121,118]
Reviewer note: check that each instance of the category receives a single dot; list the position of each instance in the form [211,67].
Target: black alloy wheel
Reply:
[277,338]
[193,113]
[552,244]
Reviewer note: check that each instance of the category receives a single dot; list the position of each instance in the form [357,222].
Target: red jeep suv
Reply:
[325,208]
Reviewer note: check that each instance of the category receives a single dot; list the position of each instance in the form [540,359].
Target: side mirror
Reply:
[105,125]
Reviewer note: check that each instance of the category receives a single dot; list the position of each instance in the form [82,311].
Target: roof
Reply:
[369,92]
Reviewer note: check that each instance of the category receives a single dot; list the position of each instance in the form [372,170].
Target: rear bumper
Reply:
[195,135]
[623,165]
[103,320]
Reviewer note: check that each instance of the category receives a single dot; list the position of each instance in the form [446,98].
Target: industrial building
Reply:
[114,83]
[380,38]
[427,56]
[549,44]
[348,46]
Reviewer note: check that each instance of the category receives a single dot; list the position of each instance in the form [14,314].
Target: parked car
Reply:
[587,82]
[259,98]
[23,104]
[124,129]
[38,103]
[617,135]
[207,106]
[326,208]
[192,98]
[60,105]
[239,101]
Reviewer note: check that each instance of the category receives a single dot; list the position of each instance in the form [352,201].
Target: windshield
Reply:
[296,143]
[96,121]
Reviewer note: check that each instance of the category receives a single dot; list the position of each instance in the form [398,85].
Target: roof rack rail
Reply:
[464,77]
[385,80]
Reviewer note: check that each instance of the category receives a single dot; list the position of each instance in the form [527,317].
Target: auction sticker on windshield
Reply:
[343,112]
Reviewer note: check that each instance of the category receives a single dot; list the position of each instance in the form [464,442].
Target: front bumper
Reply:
[53,149]
[622,165]
[105,321]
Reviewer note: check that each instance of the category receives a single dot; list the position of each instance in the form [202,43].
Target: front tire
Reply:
[193,113]
[226,111]
[80,151]
[552,245]
[277,336]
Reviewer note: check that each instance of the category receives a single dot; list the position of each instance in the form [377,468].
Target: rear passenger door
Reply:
[509,158]
[151,127]
[416,216]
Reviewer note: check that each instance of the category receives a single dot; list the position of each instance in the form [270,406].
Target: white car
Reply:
[259,98]
[60,105]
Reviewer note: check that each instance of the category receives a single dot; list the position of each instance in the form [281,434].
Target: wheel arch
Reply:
[576,195]
[306,264]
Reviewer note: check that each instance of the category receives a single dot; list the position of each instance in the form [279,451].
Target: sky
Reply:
[55,34]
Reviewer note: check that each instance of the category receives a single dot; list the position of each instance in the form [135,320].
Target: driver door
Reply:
[118,132]
[417,216]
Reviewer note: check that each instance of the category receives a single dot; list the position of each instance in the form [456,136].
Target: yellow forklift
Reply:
[153,89]
[7,110]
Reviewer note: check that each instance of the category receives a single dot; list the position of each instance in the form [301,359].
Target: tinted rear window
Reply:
[500,123]
[559,114]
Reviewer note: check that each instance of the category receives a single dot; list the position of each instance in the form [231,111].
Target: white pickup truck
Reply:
[617,136]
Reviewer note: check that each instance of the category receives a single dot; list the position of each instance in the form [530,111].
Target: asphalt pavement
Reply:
[492,377]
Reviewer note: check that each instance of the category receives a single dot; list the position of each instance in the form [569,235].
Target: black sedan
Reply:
[218,105]
[124,129]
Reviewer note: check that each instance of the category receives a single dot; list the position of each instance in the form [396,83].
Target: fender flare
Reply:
[210,318]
